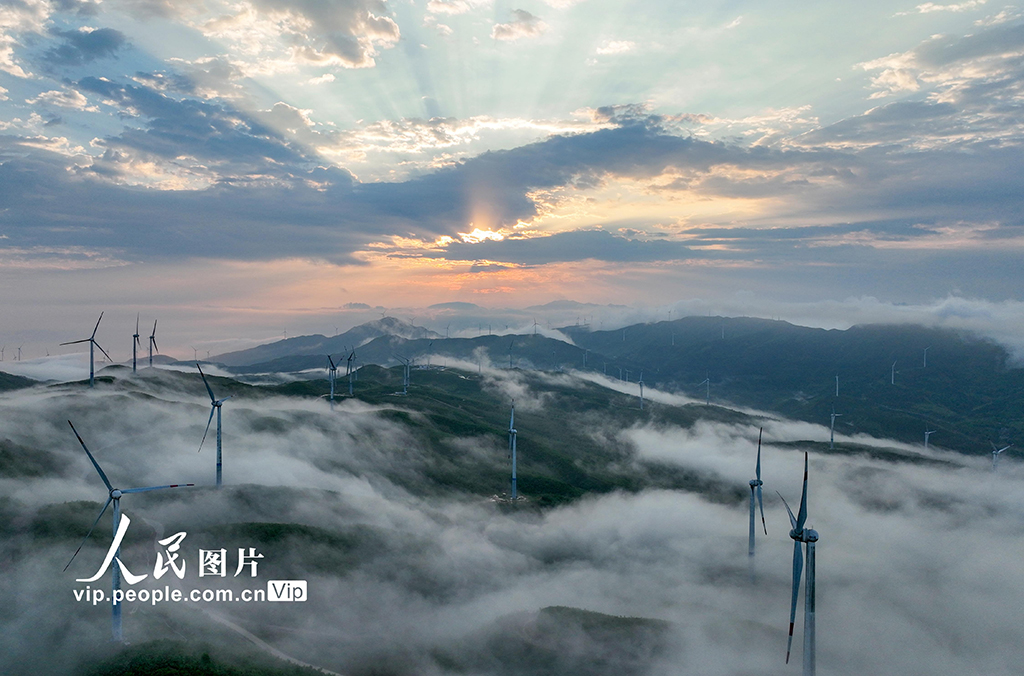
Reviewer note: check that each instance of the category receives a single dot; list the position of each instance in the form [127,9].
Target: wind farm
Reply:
[532,232]
[595,454]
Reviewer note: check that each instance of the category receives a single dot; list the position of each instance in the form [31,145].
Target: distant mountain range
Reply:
[322,345]
[965,388]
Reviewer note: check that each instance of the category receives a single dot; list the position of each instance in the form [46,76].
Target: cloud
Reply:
[64,98]
[17,17]
[523,25]
[452,7]
[615,47]
[85,45]
[428,580]
[345,33]
[575,245]
[931,7]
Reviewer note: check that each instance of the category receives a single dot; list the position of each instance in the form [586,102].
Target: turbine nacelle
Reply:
[116,493]
[754,483]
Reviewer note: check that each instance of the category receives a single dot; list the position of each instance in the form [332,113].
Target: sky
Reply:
[245,169]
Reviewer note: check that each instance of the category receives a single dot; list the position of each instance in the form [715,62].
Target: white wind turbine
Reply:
[892,378]
[351,371]
[706,381]
[808,537]
[92,344]
[755,490]
[135,343]
[832,428]
[405,372]
[996,452]
[152,344]
[641,383]
[512,433]
[927,433]
[332,375]
[120,525]
[215,405]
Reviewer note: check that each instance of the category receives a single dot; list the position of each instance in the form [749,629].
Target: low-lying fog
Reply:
[919,563]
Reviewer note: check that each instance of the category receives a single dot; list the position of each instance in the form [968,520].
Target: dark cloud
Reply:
[193,128]
[83,46]
[577,245]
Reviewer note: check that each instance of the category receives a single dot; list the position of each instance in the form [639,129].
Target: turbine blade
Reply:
[213,410]
[213,399]
[75,342]
[97,326]
[759,453]
[155,345]
[801,516]
[154,488]
[798,567]
[221,401]
[139,315]
[102,350]
[94,463]
[760,502]
[93,526]
[792,519]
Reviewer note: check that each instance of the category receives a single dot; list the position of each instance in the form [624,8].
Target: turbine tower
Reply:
[641,383]
[152,344]
[405,372]
[115,497]
[135,343]
[351,371]
[92,344]
[706,381]
[512,433]
[755,490]
[926,356]
[996,452]
[832,428]
[927,433]
[892,378]
[215,405]
[332,374]
[808,537]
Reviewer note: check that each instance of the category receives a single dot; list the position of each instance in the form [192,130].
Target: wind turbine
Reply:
[215,405]
[926,356]
[893,376]
[706,381]
[641,383]
[996,452]
[405,373]
[152,344]
[755,489]
[20,346]
[115,497]
[535,326]
[832,428]
[927,433]
[512,433]
[332,374]
[92,344]
[809,537]
[135,342]
[2,352]
[351,371]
